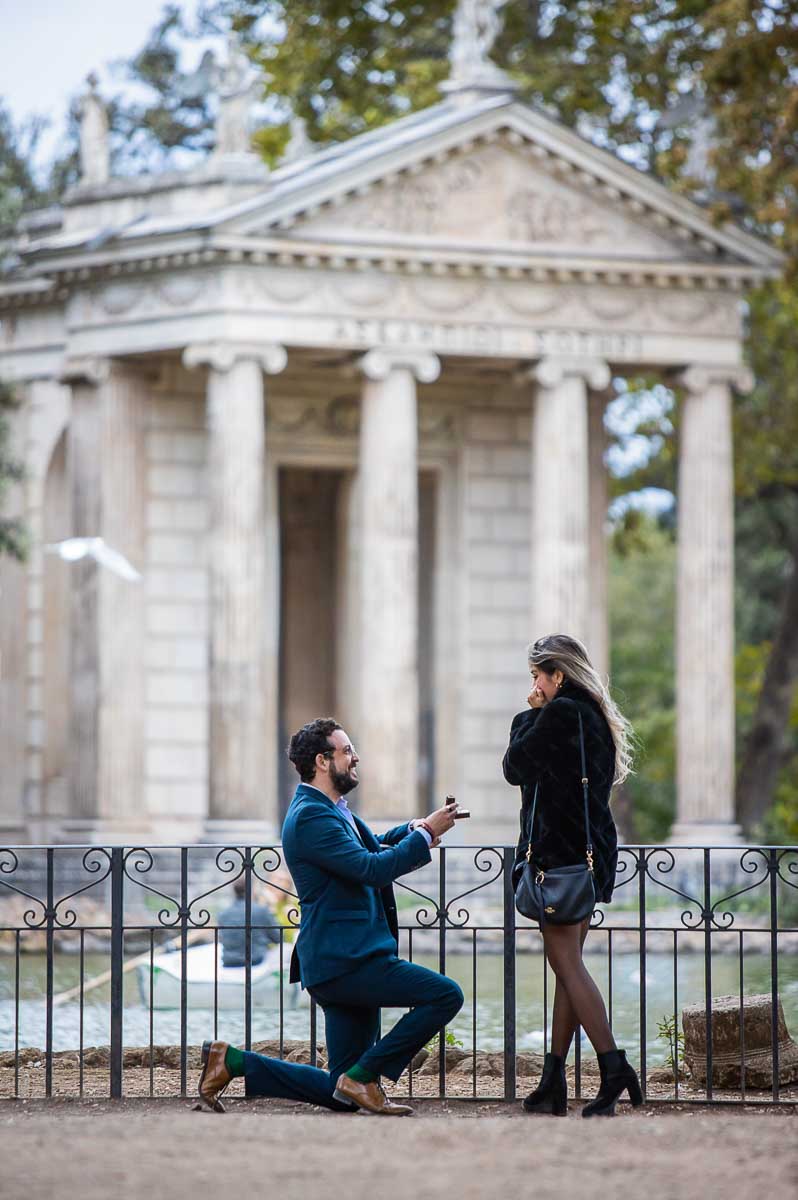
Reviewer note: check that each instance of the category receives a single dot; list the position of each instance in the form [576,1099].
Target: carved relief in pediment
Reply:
[535,215]
[419,204]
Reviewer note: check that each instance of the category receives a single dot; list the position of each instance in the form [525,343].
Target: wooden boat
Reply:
[212,985]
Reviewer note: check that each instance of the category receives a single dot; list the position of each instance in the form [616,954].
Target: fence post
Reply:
[773,871]
[643,951]
[117,964]
[50,916]
[509,975]
[442,964]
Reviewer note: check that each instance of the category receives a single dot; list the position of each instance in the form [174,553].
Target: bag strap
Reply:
[585,794]
[585,797]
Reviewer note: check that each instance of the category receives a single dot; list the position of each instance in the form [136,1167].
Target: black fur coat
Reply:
[544,748]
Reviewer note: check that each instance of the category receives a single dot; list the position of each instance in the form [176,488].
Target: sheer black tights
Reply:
[577,1000]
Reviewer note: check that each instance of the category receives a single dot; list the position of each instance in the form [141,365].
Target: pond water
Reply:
[482,1012]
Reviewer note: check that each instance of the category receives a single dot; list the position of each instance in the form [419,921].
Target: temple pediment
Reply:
[499,175]
[491,195]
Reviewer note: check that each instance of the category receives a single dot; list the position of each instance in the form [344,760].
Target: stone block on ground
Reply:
[729,1046]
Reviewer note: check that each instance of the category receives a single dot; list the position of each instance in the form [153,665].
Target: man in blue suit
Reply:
[346,952]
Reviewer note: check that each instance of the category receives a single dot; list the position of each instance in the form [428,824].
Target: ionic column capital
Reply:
[377,364]
[551,371]
[698,379]
[223,356]
[87,370]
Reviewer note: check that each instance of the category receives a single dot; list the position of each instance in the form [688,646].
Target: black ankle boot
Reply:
[616,1077]
[551,1094]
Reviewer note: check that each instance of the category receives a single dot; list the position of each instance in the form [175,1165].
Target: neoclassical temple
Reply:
[345,418]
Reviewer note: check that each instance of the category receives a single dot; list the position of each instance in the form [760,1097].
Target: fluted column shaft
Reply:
[560,546]
[388,485]
[107,472]
[705,608]
[242,685]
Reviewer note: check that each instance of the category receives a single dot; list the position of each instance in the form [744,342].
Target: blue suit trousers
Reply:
[351,1005]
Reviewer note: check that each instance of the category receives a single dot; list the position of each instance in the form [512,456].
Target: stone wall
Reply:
[495,541]
[176,727]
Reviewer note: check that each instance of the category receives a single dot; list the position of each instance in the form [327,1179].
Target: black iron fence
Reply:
[112,970]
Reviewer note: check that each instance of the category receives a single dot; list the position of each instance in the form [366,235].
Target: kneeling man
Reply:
[346,952]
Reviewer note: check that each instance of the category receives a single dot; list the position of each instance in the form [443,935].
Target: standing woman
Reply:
[544,751]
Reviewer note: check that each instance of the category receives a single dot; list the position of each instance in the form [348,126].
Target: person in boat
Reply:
[232,929]
[346,954]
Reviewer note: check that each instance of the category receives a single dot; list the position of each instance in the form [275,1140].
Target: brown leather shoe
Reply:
[214,1078]
[368,1096]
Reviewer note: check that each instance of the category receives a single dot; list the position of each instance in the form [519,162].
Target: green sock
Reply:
[234,1061]
[360,1075]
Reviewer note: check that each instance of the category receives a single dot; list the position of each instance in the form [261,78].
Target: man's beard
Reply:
[342,781]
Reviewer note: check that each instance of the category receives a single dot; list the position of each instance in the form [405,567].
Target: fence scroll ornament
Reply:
[232,861]
[434,912]
[51,914]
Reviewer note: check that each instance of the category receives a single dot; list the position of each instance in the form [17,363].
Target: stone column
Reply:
[388,484]
[598,639]
[705,610]
[106,470]
[243,662]
[560,556]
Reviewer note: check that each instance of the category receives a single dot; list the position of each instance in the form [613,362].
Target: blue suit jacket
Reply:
[348,912]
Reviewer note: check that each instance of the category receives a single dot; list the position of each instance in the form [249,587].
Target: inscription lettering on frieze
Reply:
[481,338]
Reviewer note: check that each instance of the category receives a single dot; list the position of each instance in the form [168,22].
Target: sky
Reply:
[48,47]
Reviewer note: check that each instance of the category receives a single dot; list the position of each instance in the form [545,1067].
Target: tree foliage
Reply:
[643,563]
[18,187]
[13,537]
[171,106]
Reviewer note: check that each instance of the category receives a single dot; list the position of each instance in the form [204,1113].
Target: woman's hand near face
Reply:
[536,699]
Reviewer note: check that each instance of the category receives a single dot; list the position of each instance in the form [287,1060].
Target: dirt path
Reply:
[60,1150]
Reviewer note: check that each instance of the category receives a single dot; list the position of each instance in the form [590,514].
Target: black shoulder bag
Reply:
[563,895]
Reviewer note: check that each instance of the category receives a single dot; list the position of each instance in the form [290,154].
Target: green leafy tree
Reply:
[172,106]
[19,189]
[13,537]
[642,597]
[767,554]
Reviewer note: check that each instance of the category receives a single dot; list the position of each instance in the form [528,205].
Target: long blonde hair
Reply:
[558,651]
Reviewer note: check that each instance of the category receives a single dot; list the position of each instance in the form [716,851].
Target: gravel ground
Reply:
[161,1149]
[459,1083]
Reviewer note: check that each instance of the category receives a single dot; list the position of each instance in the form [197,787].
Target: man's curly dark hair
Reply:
[307,742]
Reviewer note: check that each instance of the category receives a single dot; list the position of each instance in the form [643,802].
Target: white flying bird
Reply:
[72,549]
